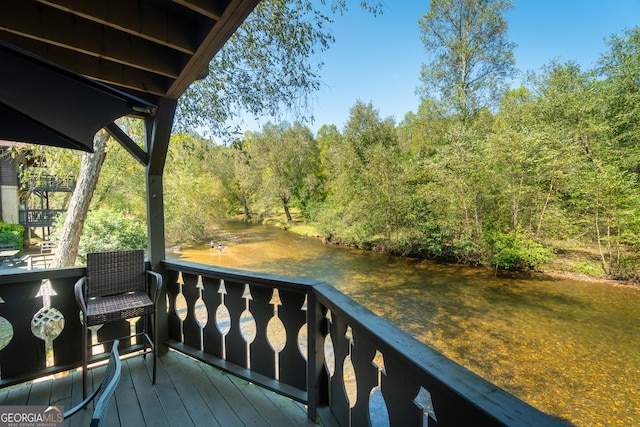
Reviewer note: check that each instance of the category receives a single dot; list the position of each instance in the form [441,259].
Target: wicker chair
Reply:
[117,287]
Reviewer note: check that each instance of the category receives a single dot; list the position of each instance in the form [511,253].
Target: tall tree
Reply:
[620,66]
[286,157]
[367,195]
[193,191]
[470,56]
[80,200]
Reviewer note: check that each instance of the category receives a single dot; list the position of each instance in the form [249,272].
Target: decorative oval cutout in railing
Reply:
[276,334]
[378,411]
[379,414]
[329,355]
[47,323]
[223,319]
[181,306]
[6,332]
[202,314]
[350,381]
[302,342]
[248,326]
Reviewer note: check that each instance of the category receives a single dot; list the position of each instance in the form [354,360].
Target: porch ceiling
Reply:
[146,50]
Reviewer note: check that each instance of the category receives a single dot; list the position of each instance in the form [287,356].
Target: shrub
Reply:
[515,252]
[12,234]
[105,230]
[589,268]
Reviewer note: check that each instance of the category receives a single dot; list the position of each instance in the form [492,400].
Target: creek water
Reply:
[569,347]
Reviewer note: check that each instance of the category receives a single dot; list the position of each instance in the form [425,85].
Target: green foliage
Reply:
[588,268]
[470,56]
[121,184]
[626,268]
[269,65]
[465,179]
[12,234]
[282,162]
[105,230]
[196,189]
[513,251]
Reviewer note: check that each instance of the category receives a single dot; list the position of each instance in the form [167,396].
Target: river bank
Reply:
[579,262]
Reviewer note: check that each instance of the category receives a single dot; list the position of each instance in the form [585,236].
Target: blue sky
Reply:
[378,59]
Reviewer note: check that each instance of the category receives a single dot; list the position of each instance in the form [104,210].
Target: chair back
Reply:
[111,273]
[107,387]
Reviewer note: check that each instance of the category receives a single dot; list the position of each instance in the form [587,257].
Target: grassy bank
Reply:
[572,259]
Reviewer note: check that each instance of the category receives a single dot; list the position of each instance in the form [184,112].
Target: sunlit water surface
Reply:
[571,348]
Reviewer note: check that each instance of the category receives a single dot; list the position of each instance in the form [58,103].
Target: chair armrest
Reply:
[78,290]
[158,288]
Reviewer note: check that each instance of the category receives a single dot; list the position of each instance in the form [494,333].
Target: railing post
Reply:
[315,352]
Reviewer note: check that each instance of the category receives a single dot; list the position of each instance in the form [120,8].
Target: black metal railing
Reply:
[301,338]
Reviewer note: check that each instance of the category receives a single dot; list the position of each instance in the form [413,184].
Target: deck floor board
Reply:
[186,393]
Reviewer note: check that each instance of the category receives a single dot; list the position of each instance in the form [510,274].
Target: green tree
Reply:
[423,132]
[121,182]
[12,234]
[366,193]
[620,67]
[193,191]
[247,179]
[470,57]
[106,230]
[597,191]
[286,158]
[90,167]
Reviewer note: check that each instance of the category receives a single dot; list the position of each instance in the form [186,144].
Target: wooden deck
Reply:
[186,393]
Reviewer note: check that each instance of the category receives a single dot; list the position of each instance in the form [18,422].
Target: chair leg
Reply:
[145,336]
[84,360]
[155,344]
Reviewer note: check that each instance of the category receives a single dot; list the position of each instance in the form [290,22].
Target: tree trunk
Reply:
[599,239]
[544,208]
[516,203]
[80,200]
[285,204]
[245,205]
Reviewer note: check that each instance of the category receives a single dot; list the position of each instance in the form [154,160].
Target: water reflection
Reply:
[570,348]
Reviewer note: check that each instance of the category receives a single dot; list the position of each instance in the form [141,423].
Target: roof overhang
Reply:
[43,103]
[69,68]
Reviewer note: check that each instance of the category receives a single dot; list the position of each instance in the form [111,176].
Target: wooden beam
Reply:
[89,38]
[203,7]
[138,153]
[157,135]
[117,75]
[139,18]
[234,15]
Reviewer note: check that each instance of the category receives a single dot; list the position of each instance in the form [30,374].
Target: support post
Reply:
[315,356]
[157,135]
